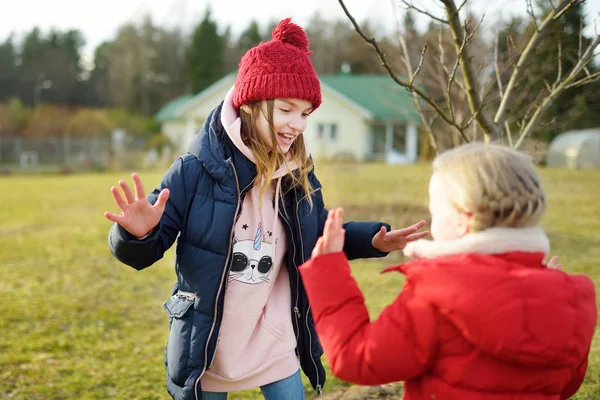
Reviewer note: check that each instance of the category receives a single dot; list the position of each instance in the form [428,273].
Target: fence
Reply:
[68,153]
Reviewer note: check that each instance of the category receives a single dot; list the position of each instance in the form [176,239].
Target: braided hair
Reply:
[494,185]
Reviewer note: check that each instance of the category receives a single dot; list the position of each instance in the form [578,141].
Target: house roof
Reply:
[225,81]
[169,112]
[377,94]
[377,97]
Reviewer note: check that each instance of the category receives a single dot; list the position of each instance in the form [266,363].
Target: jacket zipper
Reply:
[296,310]
[318,387]
[225,271]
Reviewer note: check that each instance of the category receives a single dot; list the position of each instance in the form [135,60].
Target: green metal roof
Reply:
[383,98]
[169,111]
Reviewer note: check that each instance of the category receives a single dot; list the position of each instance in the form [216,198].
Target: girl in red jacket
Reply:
[480,315]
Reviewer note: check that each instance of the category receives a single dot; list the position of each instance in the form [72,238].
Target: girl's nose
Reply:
[297,123]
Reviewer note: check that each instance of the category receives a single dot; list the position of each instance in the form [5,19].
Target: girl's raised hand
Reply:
[137,216]
[332,240]
[554,263]
[397,239]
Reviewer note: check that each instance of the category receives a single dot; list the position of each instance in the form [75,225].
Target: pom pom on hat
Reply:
[279,68]
[290,33]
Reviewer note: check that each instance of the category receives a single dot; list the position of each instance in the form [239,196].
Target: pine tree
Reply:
[205,56]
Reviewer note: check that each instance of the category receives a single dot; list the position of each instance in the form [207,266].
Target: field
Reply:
[77,324]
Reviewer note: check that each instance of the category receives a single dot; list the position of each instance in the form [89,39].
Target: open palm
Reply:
[333,237]
[137,215]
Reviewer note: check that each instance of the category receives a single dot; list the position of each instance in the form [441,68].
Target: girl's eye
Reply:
[305,115]
[284,110]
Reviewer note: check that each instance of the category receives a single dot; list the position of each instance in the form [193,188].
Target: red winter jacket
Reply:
[464,327]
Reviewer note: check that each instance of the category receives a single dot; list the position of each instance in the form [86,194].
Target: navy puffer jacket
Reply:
[207,188]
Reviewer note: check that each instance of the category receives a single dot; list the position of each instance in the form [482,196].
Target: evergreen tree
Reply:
[8,65]
[205,55]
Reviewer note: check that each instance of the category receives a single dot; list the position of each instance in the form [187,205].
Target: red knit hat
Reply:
[278,69]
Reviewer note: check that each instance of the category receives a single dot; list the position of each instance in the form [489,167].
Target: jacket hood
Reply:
[209,147]
[232,124]
[511,306]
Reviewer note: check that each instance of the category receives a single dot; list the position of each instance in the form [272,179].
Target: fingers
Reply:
[139,187]
[382,232]
[410,230]
[318,250]
[334,222]
[417,236]
[162,199]
[554,263]
[338,215]
[418,225]
[128,194]
[119,201]
[328,223]
[112,217]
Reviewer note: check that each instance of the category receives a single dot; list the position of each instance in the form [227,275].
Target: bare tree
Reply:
[465,72]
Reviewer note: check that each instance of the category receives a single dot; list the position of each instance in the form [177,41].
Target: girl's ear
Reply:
[463,223]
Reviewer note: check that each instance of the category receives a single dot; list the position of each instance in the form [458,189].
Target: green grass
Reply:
[77,324]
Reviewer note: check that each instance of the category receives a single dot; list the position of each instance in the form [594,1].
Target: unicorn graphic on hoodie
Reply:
[252,260]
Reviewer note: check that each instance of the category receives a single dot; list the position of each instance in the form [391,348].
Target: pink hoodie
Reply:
[256,344]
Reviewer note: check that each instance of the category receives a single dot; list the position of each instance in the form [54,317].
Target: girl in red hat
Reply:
[246,209]
[480,316]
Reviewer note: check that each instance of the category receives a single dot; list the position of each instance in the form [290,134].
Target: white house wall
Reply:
[197,114]
[175,132]
[352,129]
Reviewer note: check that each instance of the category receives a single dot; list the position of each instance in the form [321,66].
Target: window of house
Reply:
[379,139]
[320,131]
[327,132]
[399,138]
[332,132]
[385,135]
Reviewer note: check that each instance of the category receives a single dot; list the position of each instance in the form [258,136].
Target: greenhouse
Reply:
[575,149]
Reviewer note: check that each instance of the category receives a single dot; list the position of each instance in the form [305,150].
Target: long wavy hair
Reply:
[269,157]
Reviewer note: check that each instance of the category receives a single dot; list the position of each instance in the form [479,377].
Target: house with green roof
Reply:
[362,117]
[173,125]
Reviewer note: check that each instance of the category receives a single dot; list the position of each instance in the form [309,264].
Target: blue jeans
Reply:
[289,388]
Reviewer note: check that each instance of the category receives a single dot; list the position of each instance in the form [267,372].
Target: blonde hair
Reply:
[494,185]
[269,157]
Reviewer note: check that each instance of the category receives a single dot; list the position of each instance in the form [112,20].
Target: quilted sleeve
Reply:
[399,345]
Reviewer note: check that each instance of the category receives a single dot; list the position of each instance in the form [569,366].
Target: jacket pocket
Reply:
[181,321]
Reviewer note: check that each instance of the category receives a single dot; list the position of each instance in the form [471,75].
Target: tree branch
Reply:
[559,74]
[525,57]
[532,14]
[500,89]
[510,41]
[417,104]
[414,74]
[586,80]
[382,58]
[411,6]
[475,103]
[461,7]
[443,63]
[427,124]
[447,78]
[452,74]
[567,82]
[564,10]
